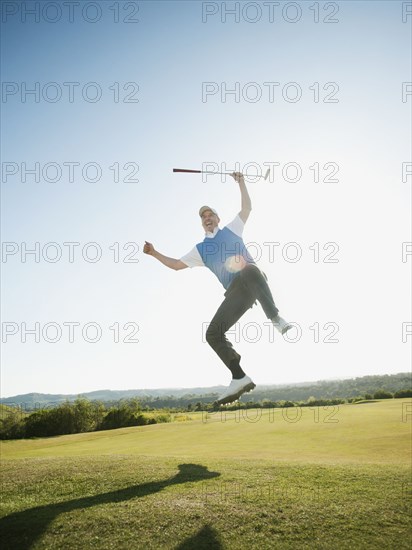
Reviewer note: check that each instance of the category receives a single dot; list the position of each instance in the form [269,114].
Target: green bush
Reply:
[165,418]
[382,394]
[403,393]
[11,424]
[118,417]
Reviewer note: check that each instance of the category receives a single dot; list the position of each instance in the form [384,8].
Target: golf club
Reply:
[265,177]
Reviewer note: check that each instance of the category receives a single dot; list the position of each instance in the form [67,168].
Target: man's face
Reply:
[209,221]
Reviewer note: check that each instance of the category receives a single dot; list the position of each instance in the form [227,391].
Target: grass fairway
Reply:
[266,479]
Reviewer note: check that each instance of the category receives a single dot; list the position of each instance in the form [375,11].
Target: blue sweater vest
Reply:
[225,255]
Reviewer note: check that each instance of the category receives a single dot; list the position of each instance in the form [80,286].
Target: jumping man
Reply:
[225,254]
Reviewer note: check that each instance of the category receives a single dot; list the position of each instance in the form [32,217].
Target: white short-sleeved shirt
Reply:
[193,258]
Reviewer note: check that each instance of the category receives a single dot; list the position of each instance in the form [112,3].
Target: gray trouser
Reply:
[247,287]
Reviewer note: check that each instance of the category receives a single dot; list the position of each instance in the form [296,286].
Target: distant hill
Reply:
[327,389]
[39,400]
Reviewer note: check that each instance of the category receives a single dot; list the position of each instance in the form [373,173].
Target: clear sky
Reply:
[122,92]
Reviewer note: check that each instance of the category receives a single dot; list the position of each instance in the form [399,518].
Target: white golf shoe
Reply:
[236,389]
[281,324]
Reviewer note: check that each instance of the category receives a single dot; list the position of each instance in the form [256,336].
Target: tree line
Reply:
[159,399]
[79,416]
[83,415]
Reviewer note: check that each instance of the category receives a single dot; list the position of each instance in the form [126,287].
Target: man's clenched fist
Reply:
[148,248]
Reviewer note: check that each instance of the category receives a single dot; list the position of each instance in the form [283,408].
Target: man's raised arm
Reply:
[246,203]
[173,263]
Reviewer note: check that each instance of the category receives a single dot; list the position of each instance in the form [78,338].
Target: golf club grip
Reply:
[184,170]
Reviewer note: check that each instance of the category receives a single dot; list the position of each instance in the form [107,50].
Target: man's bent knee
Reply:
[212,334]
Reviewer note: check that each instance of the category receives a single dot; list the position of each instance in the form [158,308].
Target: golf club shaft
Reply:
[216,173]
[184,170]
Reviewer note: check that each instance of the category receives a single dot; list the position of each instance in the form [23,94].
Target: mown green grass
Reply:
[217,483]
[373,432]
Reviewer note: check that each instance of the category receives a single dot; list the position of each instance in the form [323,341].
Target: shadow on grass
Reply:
[205,539]
[21,530]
